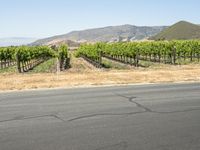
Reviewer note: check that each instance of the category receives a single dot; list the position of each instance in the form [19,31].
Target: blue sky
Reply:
[43,18]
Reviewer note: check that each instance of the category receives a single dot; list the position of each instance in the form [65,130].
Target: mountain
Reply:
[16,41]
[70,43]
[106,34]
[180,31]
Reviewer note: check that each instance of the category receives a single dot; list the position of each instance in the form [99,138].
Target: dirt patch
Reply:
[80,65]
[89,76]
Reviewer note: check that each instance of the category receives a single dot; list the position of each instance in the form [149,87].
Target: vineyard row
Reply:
[168,52]
[26,58]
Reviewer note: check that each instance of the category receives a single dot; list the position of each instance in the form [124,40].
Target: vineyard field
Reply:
[167,52]
[26,58]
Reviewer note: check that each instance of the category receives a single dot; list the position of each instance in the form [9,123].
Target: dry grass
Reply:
[85,77]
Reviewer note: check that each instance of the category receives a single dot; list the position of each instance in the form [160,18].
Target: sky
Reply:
[44,18]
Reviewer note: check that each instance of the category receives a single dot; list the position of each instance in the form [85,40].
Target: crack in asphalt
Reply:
[19,118]
[121,146]
[105,114]
[131,100]
[114,114]
[153,111]
[176,111]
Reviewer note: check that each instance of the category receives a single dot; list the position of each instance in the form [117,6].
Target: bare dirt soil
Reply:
[84,74]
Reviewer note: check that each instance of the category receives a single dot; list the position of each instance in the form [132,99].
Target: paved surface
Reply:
[144,117]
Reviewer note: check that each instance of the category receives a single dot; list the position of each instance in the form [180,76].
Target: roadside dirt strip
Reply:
[90,77]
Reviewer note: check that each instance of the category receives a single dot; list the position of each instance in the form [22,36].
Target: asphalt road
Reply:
[143,117]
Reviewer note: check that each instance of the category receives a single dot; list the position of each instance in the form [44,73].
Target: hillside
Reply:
[106,34]
[180,31]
